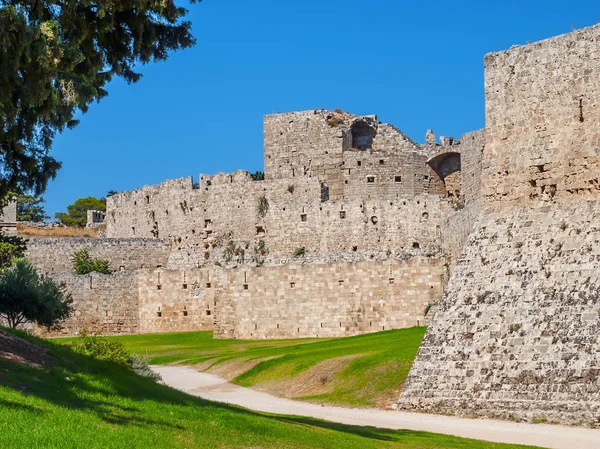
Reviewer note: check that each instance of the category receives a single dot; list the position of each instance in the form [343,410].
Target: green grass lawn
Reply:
[79,402]
[364,371]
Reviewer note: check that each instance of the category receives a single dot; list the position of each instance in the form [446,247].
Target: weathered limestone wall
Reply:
[205,230]
[394,167]
[53,255]
[176,300]
[305,143]
[103,304]
[517,331]
[542,117]
[455,231]
[326,300]
[288,301]
[471,153]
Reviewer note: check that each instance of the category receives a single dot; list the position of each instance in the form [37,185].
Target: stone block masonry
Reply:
[517,332]
[326,300]
[355,226]
[54,255]
[291,301]
[103,304]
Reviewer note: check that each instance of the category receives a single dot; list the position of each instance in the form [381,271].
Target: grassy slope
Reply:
[81,402]
[378,367]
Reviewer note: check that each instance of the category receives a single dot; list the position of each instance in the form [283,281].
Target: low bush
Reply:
[101,348]
[84,264]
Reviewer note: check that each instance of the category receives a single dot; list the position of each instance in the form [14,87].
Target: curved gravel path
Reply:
[214,388]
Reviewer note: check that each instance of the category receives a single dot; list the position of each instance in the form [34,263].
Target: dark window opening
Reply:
[185,286]
[370,179]
[342,214]
[416,245]
[207,223]
[208,285]
[425,177]
[245,286]
[292,285]
[362,135]
[185,313]
[158,287]
[208,312]
[260,230]
[380,161]
[303,217]
[358,163]
[397,178]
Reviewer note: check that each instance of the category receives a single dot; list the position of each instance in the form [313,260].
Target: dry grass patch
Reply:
[27,231]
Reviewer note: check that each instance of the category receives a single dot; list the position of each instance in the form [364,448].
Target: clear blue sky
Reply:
[417,65]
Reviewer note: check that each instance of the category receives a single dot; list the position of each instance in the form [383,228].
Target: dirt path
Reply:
[214,388]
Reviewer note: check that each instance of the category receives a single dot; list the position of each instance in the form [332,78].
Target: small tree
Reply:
[84,264]
[258,176]
[30,208]
[26,295]
[77,212]
[11,248]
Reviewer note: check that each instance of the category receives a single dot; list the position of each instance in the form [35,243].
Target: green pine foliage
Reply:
[76,214]
[57,58]
[25,295]
[83,263]
[30,208]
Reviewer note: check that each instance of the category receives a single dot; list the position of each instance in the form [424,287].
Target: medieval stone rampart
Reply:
[291,301]
[326,300]
[103,304]
[54,255]
[517,332]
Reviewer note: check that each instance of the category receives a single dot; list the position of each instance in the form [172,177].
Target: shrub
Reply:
[258,176]
[101,348]
[25,295]
[140,366]
[300,252]
[11,248]
[84,264]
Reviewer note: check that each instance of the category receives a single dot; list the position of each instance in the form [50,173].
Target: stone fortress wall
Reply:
[279,301]
[343,236]
[355,223]
[53,255]
[517,332]
[321,194]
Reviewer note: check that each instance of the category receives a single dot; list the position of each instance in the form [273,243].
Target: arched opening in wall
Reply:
[362,135]
[445,173]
